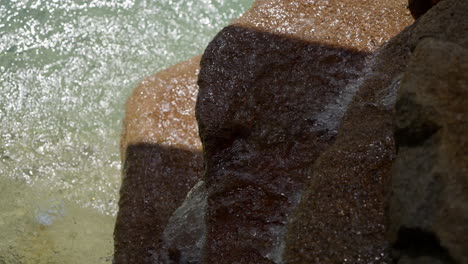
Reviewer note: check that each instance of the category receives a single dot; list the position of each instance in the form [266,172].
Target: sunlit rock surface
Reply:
[273,88]
[162,160]
[341,212]
[429,201]
[296,117]
[362,24]
[161,109]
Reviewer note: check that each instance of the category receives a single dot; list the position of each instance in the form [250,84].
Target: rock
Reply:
[161,109]
[273,89]
[341,215]
[296,118]
[184,235]
[260,96]
[420,7]
[162,159]
[364,24]
[430,177]
[421,260]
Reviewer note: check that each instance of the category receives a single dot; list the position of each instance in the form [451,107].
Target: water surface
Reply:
[66,69]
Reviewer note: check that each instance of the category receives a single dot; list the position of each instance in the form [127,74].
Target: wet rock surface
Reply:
[341,217]
[341,214]
[156,181]
[260,95]
[269,105]
[429,201]
[306,158]
[162,159]
[364,24]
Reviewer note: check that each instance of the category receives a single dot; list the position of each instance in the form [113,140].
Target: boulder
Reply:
[258,110]
[341,214]
[162,159]
[306,158]
[428,212]
[273,89]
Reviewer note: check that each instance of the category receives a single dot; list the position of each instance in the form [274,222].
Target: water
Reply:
[66,69]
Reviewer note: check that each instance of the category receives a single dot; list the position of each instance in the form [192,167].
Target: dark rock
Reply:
[184,235]
[156,181]
[258,110]
[269,104]
[430,177]
[274,88]
[162,158]
[341,215]
[420,7]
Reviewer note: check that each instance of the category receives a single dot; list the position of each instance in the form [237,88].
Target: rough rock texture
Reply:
[291,101]
[259,98]
[273,88]
[359,24]
[184,236]
[161,109]
[429,203]
[162,160]
[341,217]
[341,212]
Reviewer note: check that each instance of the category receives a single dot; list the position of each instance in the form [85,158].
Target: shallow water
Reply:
[66,69]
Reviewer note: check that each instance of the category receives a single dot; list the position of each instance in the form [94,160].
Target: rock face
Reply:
[258,111]
[334,220]
[270,101]
[363,24]
[318,147]
[429,202]
[162,160]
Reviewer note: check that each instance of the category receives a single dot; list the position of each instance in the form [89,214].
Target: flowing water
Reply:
[66,69]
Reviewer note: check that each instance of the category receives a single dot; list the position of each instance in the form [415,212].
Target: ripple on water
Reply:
[67,68]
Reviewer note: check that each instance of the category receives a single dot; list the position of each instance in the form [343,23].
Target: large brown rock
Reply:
[429,203]
[161,152]
[361,24]
[273,89]
[341,215]
[259,101]
[275,86]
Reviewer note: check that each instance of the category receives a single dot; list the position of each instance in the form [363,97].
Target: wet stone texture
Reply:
[341,217]
[298,126]
[271,99]
[429,202]
[359,24]
[162,159]
[257,111]
[341,214]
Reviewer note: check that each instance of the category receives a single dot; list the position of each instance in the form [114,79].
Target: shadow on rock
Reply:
[156,180]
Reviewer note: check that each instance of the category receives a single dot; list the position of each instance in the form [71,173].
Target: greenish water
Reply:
[66,70]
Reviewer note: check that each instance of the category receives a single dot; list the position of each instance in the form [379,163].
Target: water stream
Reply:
[66,69]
